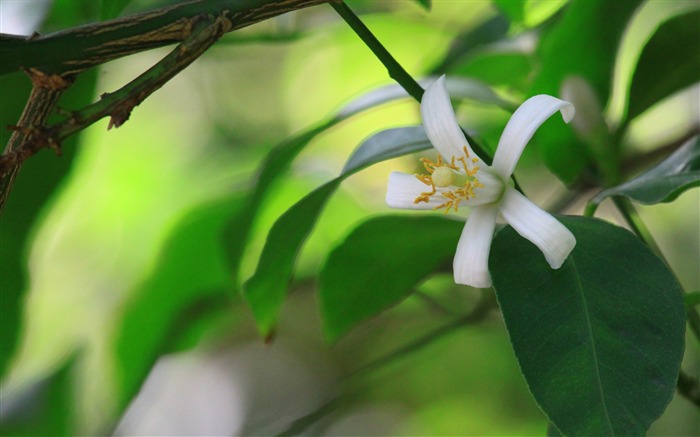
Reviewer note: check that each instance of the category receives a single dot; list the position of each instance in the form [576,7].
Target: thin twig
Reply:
[118,105]
[689,387]
[46,91]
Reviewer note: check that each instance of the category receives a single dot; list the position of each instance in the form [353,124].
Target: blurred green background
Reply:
[127,235]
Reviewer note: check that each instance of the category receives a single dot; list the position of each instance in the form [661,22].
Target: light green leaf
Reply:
[664,182]
[578,45]
[266,290]
[190,279]
[275,166]
[529,13]
[379,264]
[668,63]
[599,340]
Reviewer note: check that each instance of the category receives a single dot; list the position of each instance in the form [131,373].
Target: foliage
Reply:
[234,206]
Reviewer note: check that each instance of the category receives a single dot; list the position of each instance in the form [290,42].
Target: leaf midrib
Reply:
[579,288]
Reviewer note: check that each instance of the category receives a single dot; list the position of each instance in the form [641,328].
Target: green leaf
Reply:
[425,3]
[513,9]
[266,290]
[35,185]
[578,45]
[668,63]
[46,409]
[190,280]
[465,44]
[112,8]
[599,340]
[529,13]
[387,144]
[664,182]
[379,264]
[495,67]
[692,299]
[275,166]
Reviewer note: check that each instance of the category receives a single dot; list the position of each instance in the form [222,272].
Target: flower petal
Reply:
[522,126]
[471,263]
[404,188]
[490,191]
[440,123]
[554,240]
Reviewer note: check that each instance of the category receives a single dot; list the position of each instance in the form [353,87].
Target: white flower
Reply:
[459,177]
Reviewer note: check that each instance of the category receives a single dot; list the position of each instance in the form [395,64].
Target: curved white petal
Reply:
[440,123]
[522,126]
[492,189]
[554,240]
[404,188]
[471,263]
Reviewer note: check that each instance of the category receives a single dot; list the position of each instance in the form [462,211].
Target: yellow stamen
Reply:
[449,174]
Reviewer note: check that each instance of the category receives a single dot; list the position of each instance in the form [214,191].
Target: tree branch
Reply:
[46,90]
[75,50]
[117,105]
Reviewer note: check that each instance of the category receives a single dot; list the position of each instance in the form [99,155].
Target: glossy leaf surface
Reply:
[664,182]
[379,264]
[578,45]
[668,63]
[189,280]
[266,289]
[600,340]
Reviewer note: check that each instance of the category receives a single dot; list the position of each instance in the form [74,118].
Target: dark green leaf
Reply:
[35,184]
[670,62]
[45,409]
[664,182]
[266,289]
[552,431]
[692,299]
[379,264]
[599,340]
[578,45]
[425,3]
[190,279]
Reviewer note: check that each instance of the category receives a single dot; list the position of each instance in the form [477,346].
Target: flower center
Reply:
[448,174]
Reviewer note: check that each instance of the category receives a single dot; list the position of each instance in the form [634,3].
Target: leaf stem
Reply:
[689,387]
[395,70]
[631,216]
